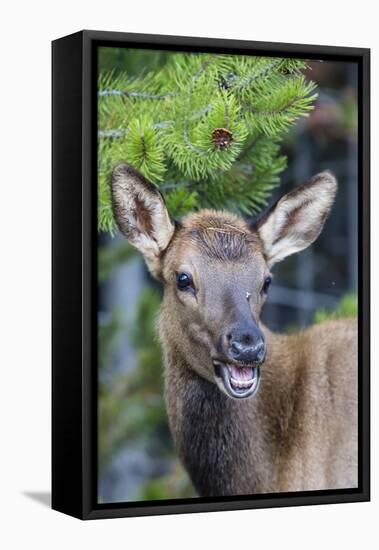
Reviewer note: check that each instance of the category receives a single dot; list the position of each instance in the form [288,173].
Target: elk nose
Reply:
[247,347]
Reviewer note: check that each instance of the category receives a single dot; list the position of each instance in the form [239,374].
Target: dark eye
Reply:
[266,284]
[184,281]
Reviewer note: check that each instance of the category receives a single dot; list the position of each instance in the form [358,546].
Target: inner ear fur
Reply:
[296,220]
[141,214]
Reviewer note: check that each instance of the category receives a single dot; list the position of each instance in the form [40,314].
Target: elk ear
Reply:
[141,214]
[296,220]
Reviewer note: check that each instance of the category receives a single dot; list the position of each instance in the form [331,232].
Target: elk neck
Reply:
[231,446]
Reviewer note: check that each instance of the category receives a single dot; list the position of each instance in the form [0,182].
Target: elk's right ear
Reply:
[296,220]
[141,214]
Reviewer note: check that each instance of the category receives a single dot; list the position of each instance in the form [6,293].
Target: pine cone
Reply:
[222,138]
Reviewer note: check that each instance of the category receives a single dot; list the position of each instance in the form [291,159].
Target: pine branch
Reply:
[125,93]
[205,128]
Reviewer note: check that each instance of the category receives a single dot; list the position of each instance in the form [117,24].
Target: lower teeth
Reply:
[241,385]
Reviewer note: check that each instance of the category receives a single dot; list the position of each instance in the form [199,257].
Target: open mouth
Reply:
[237,381]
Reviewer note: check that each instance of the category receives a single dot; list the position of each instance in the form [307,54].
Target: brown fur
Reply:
[299,431]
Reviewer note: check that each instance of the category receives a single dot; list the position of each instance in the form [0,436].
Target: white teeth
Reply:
[242,383]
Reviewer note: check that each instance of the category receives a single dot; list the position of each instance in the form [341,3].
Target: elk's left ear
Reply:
[296,220]
[141,214]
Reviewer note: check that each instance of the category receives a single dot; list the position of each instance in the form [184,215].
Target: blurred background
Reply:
[137,460]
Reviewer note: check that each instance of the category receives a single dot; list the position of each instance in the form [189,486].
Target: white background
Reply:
[27,29]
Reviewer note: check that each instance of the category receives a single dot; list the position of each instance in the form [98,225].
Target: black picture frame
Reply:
[74,366]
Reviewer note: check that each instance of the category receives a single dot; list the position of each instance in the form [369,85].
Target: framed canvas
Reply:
[210,275]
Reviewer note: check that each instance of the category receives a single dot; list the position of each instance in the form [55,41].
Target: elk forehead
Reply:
[216,235]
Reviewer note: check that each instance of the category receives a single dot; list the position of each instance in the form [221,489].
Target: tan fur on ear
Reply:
[297,219]
[141,214]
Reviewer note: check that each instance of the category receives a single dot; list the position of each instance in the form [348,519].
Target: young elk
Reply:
[250,411]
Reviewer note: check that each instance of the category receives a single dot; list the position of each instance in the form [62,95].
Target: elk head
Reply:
[216,271]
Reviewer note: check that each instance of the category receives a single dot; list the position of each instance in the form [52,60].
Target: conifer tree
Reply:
[205,128]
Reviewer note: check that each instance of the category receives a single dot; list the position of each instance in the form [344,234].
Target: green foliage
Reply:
[276,109]
[144,149]
[110,257]
[348,307]
[140,388]
[176,483]
[206,128]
